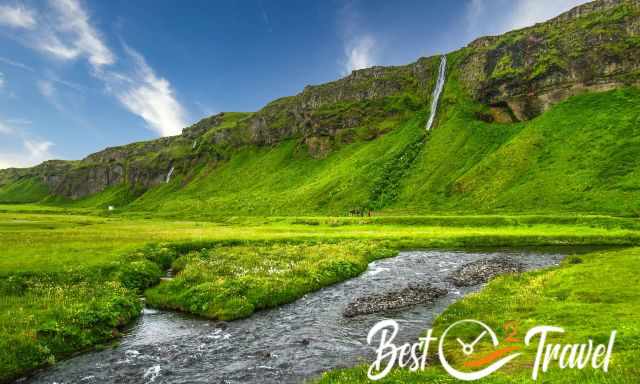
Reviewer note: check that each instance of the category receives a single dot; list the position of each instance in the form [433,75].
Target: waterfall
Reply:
[442,74]
[169,174]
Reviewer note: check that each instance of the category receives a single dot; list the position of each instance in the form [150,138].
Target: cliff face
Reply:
[594,47]
[517,75]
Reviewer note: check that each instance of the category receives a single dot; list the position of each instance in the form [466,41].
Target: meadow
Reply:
[70,279]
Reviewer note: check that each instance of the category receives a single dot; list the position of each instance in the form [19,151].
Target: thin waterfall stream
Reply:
[437,91]
[168,179]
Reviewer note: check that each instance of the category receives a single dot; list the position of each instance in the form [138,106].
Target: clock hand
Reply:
[461,343]
[479,338]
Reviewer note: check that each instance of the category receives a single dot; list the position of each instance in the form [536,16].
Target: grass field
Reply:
[589,296]
[72,279]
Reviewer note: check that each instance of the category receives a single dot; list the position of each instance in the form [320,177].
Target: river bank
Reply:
[45,286]
[288,344]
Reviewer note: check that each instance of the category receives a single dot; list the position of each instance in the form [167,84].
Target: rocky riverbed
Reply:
[414,294]
[481,271]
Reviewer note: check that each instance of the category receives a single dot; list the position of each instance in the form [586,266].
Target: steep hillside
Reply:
[545,118]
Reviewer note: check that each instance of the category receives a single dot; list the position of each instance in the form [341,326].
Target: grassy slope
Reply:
[566,297]
[578,157]
[284,180]
[23,191]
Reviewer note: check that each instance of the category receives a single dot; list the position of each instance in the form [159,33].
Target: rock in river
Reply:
[481,271]
[412,295]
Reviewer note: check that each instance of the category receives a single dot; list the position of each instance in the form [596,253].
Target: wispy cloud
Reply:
[27,151]
[5,129]
[529,12]
[16,64]
[137,87]
[33,152]
[265,17]
[499,16]
[74,23]
[145,94]
[360,47]
[48,90]
[71,35]
[17,17]
[19,121]
[1,80]
[38,149]
[359,53]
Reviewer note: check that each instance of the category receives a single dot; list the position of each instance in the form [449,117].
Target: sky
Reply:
[77,76]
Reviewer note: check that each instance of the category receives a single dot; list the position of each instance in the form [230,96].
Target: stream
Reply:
[289,344]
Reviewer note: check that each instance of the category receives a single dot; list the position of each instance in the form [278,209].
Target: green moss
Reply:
[505,68]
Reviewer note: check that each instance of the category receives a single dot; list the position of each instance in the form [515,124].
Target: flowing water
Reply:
[437,91]
[288,344]
[169,175]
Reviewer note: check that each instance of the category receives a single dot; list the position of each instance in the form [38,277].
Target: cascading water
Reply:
[437,91]
[169,175]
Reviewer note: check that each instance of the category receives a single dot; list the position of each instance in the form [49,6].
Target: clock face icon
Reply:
[468,349]
[482,334]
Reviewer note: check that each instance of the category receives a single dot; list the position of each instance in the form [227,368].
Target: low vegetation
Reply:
[588,295]
[231,282]
[60,300]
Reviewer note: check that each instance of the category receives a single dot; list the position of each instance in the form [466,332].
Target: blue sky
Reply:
[77,76]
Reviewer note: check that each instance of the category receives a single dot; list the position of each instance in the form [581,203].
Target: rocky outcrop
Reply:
[322,113]
[518,75]
[593,47]
[481,271]
[412,295]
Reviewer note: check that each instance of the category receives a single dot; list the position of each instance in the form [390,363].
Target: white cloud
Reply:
[25,151]
[5,129]
[38,150]
[359,53]
[74,21]
[16,64]
[148,96]
[72,36]
[17,17]
[49,91]
[1,80]
[499,16]
[19,121]
[360,47]
[33,152]
[529,12]
[138,88]
[49,43]
[46,88]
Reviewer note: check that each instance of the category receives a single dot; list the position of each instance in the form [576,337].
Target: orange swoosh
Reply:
[495,355]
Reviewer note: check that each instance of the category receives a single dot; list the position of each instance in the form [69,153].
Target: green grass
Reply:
[589,296]
[23,191]
[73,279]
[227,283]
[577,157]
[51,313]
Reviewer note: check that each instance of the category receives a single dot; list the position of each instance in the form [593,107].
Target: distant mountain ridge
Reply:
[504,84]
